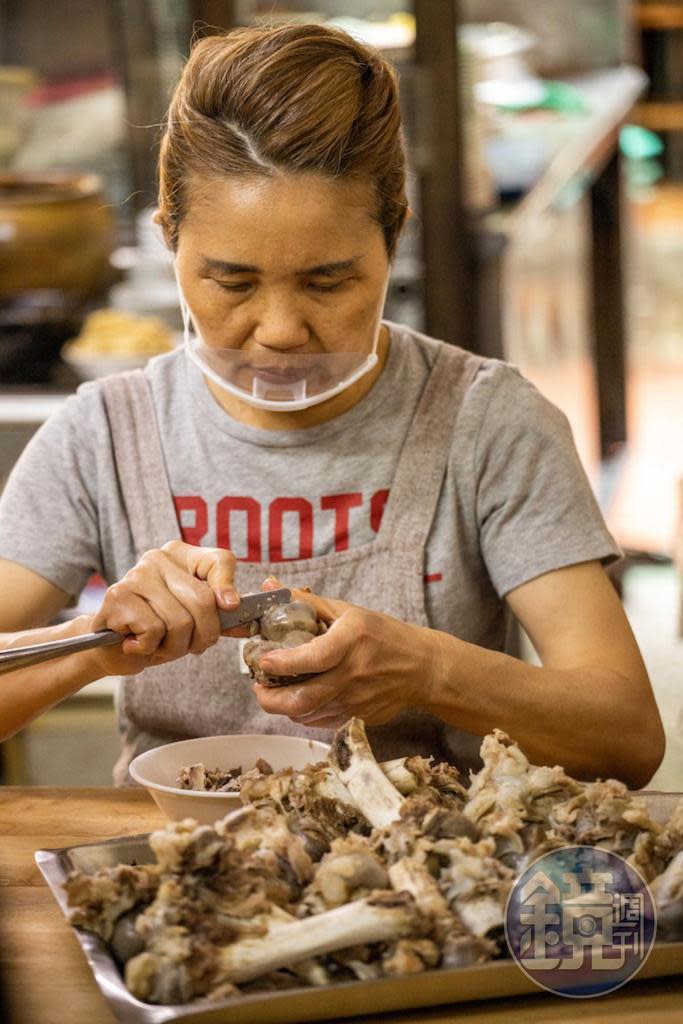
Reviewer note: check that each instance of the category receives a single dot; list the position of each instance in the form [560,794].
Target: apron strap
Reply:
[139,460]
[415,491]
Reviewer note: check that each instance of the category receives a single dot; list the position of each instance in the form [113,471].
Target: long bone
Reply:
[159,977]
[352,758]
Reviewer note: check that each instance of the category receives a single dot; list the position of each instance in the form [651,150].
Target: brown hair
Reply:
[291,98]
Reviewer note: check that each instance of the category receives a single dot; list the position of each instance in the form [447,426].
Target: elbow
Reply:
[645,750]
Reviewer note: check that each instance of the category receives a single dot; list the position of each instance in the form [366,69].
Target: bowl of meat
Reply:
[202,778]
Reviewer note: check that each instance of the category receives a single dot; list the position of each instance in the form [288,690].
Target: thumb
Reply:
[318,655]
[214,565]
[220,575]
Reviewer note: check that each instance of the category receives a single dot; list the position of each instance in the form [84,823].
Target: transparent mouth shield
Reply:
[277,380]
[293,381]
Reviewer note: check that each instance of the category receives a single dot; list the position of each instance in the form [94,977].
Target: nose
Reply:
[279,322]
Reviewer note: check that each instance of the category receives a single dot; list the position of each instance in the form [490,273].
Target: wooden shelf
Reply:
[660,115]
[658,16]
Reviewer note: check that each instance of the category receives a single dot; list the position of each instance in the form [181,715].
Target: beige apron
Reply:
[208,695]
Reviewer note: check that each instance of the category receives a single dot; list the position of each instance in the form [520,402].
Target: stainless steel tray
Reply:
[347,999]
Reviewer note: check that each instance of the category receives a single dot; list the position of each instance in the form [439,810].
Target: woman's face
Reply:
[287,265]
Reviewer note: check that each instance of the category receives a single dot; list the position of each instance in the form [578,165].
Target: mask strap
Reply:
[375,343]
[184,308]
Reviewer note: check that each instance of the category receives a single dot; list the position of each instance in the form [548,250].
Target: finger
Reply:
[318,655]
[199,603]
[179,625]
[297,700]
[159,590]
[214,565]
[142,629]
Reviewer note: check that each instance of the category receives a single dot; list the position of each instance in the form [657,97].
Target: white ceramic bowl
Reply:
[157,770]
[89,367]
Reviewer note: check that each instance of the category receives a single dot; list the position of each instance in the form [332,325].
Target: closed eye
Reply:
[315,286]
[237,286]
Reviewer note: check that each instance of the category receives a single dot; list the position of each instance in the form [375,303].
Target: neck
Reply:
[267,419]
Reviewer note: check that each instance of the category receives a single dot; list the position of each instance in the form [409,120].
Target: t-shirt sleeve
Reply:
[536,510]
[48,509]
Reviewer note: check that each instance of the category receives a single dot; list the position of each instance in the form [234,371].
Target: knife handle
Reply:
[33,654]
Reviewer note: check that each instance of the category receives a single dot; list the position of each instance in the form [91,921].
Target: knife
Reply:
[250,609]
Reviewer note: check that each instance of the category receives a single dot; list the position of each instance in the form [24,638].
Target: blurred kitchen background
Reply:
[546,176]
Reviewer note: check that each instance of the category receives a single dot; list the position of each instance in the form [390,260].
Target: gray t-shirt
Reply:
[515,502]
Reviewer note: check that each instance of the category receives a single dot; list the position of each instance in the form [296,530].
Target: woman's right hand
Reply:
[167,606]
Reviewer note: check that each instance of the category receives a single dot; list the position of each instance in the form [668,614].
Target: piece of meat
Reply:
[508,793]
[315,801]
[603,814]
[100,899]
[281,620]
[349,871]
[282,626]
[199,778]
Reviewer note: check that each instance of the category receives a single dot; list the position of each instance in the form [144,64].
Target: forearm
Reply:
[28,692]
[591,720]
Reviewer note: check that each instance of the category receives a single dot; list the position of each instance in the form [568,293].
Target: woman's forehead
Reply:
[308,212]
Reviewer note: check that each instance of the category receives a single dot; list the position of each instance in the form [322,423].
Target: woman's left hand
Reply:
[367,664]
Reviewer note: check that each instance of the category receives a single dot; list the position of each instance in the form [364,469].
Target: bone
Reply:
[370,789]
[355,923]
[409,875]
[399,775]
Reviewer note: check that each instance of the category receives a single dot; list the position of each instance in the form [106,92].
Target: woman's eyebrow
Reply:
[328,269]
[321,270]
[223,267]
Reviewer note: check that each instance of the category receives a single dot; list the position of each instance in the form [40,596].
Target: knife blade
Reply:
[252,607]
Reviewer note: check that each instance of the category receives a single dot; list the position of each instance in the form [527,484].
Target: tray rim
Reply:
[499,978]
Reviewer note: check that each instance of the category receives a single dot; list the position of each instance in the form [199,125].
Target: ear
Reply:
[158,218]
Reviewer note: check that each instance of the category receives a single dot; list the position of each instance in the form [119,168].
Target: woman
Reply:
[423,491]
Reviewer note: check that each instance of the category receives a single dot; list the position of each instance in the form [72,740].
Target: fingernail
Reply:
[231,597]
[270,583]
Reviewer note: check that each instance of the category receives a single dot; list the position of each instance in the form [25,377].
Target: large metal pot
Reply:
[56,232]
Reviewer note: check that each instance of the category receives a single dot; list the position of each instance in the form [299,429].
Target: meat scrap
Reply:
[201,779]
[209,780]
[282,626]
[350,869]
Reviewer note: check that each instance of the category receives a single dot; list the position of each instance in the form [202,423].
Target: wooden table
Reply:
[46,977]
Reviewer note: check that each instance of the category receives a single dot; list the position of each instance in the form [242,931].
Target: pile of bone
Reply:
[282,625]
[350,869]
